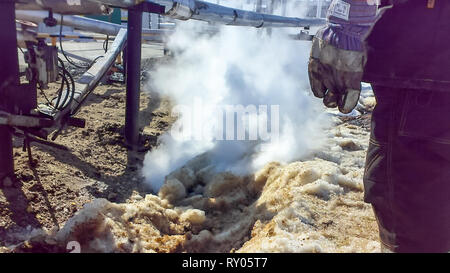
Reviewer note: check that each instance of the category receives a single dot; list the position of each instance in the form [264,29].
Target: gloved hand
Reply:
[335,75]
[337,60]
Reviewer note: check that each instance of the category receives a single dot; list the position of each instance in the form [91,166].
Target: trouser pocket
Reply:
[426,115]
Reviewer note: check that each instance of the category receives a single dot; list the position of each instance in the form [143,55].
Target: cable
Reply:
[68,82]
[62,50]
[59,90]
[72,81]
[63,80]
[60,105]
[105,43]
[64,73]
[45,96]
[70,61]
[62,63]
[96,58]
[69,90]
[72,95]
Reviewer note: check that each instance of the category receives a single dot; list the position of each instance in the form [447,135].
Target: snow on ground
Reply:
[313,205]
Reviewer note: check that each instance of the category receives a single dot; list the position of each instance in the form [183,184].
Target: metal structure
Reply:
[66,7]
[19,112]
[133,78]
[213,13]
[86,24]
[9,80]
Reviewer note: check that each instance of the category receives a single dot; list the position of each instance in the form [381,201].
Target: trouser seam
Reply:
[390,186]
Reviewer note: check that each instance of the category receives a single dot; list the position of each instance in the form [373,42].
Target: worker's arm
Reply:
[337,58]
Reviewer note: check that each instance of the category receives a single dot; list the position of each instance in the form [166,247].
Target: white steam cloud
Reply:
[236,66]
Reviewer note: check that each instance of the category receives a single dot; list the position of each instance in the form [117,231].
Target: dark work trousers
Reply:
[407,174]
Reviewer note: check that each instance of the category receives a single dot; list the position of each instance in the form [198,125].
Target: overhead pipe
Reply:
[120,3]
[196,10]
[65,7]
[87,24]
[213,13]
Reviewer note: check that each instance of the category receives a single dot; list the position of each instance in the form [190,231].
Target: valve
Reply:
[50,21]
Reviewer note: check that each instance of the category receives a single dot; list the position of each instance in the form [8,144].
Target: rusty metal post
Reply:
[9,80]
[6,153]
[133,78]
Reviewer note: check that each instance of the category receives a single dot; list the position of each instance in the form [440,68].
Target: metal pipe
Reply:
[79,22]
[87,24]
[23,121]
[133,78]
[208,12]
[65,7]
[89,80]
[185,10]
[24,36]
[86,83]
[180,9]
[213,13]
[120,3]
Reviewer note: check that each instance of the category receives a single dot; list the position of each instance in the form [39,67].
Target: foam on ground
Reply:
[315,205]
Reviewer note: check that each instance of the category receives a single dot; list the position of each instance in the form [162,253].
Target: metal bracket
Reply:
[24,121]
[303,35]
[150,7]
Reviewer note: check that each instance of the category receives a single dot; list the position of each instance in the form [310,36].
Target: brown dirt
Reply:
[97,164]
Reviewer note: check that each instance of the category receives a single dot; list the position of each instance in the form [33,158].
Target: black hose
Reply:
[64,73]
[67,81]
[70,89]
[72,94]
[70,61]
[62,63]
[105,44]
[62,50]
[60,90]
